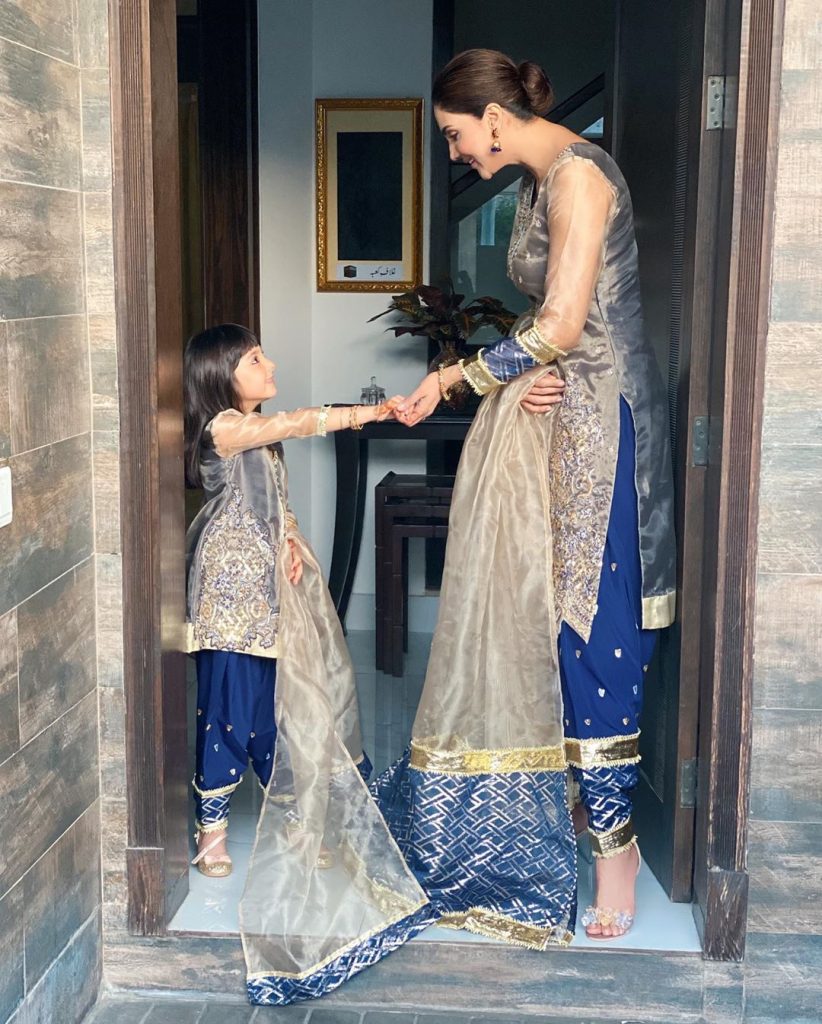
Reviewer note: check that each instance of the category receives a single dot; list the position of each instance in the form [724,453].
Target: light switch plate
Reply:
[5,495]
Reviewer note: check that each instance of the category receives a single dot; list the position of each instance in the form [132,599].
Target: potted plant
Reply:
[438,315]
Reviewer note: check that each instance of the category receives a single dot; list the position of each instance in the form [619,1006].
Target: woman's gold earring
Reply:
[495,146]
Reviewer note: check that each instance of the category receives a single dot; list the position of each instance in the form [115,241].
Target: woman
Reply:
[574,507]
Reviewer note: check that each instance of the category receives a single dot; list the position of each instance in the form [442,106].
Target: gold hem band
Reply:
[532,341]
[659,611]
[609,844]
[610,750]
[486,922]
[216,792]
[476,372]
[487,762]
[212,826]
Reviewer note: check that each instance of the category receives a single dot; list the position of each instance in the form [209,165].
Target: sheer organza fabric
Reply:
[493,680]
[326,879]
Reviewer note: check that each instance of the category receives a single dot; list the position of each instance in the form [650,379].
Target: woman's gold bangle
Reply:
[445,392]
[353,420]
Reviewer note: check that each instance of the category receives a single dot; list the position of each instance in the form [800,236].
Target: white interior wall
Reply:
[325,348]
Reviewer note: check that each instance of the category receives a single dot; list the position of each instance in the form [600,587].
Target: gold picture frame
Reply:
[369,194]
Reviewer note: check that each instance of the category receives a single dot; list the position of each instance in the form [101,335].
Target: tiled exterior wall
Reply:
[785,846]
[59,434]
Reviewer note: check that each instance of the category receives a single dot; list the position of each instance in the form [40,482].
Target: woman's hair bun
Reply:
[537,87]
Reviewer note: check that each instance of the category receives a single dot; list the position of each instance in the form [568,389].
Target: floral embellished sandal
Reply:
[607,917]
[219,868]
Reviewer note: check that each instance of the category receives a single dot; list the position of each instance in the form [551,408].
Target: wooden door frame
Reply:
[146,228]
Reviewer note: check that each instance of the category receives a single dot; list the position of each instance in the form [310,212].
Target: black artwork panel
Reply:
[369,196]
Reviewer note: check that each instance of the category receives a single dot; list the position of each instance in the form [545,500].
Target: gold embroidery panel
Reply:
[234,611]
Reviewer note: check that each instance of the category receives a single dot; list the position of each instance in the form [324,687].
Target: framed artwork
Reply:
[369,194]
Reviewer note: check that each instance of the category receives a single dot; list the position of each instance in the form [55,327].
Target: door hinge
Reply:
[687,782]
[700,441]
[720,102]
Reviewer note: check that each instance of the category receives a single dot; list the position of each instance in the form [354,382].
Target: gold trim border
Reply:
[659,611]
[475,371]
[321,108]
[487,762]
[608,750]
[609,844]
[486,922]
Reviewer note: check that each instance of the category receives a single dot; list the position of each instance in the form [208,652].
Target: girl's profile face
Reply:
[469,141]
[254,379]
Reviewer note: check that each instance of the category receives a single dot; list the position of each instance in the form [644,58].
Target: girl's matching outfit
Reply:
[327,891]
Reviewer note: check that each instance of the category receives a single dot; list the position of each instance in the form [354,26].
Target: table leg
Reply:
[351,456]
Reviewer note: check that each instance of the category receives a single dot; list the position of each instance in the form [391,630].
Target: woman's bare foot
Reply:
[615,903]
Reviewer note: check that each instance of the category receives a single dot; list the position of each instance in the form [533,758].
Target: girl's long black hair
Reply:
[209,363]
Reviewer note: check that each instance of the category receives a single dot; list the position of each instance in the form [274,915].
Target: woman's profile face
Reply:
[469,141]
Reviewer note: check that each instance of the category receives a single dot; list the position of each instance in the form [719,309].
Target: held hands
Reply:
[419,405]
[546,392]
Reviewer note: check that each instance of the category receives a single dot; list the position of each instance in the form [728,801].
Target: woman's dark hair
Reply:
[475,78]
[209,363]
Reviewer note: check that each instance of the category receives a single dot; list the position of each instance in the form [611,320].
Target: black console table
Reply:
[351,450]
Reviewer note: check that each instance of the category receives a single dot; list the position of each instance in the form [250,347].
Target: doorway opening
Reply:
[657,135]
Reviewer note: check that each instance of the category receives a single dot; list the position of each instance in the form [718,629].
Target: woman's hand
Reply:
[295,573]
[546,392]
[386,410]
[419,405]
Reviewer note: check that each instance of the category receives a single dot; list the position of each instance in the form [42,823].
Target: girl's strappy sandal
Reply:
[606,917]
[217,868]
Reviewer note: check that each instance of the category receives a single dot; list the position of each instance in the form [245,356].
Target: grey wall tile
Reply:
[56,649]
[93,33]
[800,111]
[5,422]
[788,645]
[46,786]
[52,529]
[802,47]
[792,410]
[785,866]
[109,621]
[9,706]
[12,963]
[786,776]
[99,252]
[102,332]
[790,510]
[42,270]
[40,114]
[112,743]
[71,983]
[46,25]
[96,129]
[783,979]
[62,890]
[48,380]
[799,170]
[114,815]
[795,293]
[107,491]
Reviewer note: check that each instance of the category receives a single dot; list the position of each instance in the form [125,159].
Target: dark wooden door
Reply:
[658,70]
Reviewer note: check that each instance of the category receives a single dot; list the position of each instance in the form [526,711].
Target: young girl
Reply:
[235,455]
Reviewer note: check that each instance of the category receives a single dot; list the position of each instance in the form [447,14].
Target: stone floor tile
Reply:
[119,1011]
[228,1013]
[175,1011]
[331,1015]
[389,1017]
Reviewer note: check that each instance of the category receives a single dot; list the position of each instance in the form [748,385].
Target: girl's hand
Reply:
[419,405]
[545,392]
[295,573]
[386,410]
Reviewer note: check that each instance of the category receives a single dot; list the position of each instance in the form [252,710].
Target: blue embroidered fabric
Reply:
[278,990]
[507,359]
[486,841]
